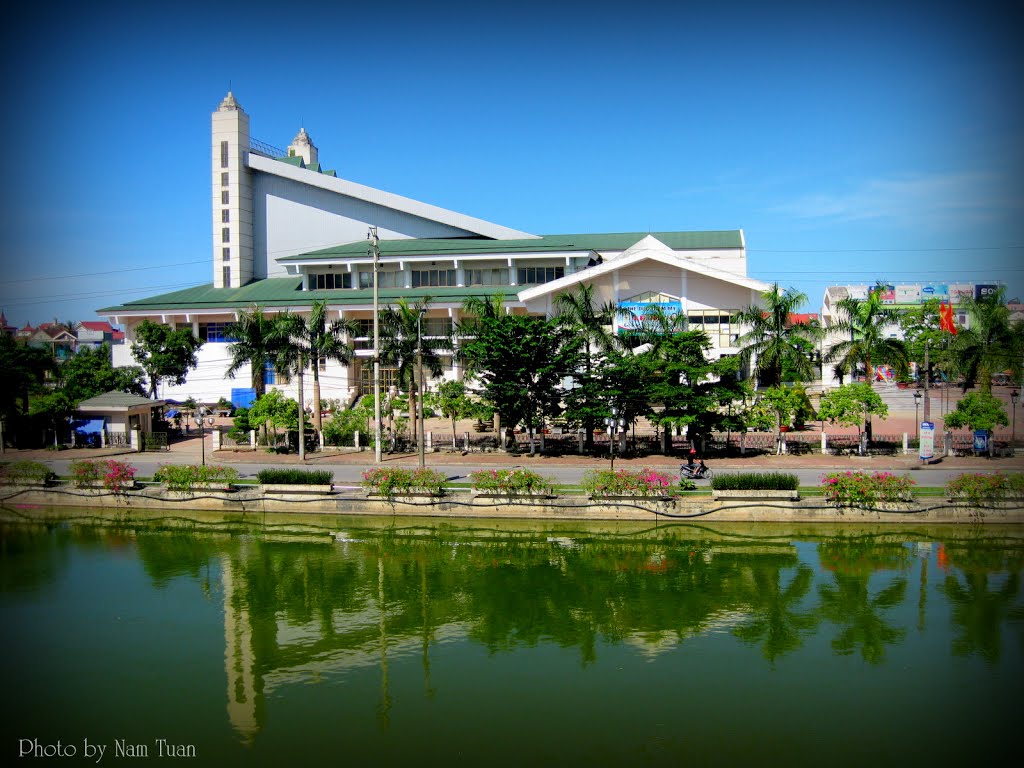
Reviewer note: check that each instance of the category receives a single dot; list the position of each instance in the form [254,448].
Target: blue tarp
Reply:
[171,413]
[88,426]
[243,397]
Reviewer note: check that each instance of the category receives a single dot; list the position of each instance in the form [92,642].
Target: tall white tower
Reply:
[303,146]
[232,196]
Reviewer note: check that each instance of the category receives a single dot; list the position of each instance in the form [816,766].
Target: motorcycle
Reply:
[695,472]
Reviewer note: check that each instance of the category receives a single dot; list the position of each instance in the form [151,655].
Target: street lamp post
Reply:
[374,251]
[917,402]
[202,421]
[614,424]
[1014,397]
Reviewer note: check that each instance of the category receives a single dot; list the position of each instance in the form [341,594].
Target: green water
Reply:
[403,643]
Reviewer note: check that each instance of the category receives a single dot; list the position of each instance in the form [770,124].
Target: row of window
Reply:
[430,278]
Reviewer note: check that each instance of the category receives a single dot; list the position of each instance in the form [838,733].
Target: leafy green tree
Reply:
[783,404]
[90,372]
[455,403]
[164,354]
[774,341]
[867,322]
[252,344]
[276,410]
[519,360]
[977,411]
[22,372]
[851,403]
[992,344]
[55,408]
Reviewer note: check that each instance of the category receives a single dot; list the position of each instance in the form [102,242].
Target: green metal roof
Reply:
[619,241]
[287,292]
[116,399]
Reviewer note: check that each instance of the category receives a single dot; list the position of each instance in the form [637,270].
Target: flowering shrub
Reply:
[625,482]
[392,481]
[115,475]
[184,477]
[118,475]
[84,473]
[859,489]
[510,481]
[979,488]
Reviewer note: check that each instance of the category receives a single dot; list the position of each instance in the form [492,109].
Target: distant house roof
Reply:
[116,401]
[96,325]
[796,317]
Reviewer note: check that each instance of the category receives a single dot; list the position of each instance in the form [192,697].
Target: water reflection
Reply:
[320,606]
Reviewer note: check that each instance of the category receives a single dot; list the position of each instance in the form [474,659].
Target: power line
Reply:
[108,272]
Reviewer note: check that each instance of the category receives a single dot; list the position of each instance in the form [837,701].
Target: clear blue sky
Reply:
[851,142]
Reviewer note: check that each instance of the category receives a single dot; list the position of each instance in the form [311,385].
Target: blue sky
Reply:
[850,141]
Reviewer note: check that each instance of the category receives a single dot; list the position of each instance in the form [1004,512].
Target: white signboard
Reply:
[927,440]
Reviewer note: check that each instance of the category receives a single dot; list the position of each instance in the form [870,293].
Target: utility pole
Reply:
[374,251]
[302,413]
[926,411]
[419,387]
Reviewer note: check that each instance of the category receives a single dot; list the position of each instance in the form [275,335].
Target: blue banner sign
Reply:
[981,441]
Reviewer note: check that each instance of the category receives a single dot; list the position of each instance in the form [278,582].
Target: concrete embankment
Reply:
[354,502]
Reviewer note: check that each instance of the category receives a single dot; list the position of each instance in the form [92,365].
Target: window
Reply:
[389,279]
[225,216]
[330,281]
[437,326]
[422,278]
[227,277]
[497,276]
[225,235]
[223,179]
[225,196]
[536,275]
[269,373]
[226,254]
[718,325]
[223,154]
[214,331]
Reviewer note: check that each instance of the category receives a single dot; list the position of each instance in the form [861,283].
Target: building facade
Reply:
[287,232]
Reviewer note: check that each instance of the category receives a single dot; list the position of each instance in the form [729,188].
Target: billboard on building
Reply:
[908,294]
[935,291]
[958,291]
[634,314]
[985,291]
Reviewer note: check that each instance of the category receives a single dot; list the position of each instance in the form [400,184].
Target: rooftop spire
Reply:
[230,103]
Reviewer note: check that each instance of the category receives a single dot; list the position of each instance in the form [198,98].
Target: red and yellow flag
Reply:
[946,318]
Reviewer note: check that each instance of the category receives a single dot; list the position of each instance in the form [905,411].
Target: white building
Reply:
[287,233]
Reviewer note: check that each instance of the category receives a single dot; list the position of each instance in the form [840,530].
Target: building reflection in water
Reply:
[296,613]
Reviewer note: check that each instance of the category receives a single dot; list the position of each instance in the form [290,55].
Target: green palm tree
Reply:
[773,340]
[866,321]
[252,345]
[991,344]
[401,335]
[302,341]
[590,324]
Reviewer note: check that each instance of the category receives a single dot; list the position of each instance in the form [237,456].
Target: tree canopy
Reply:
[164,354]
